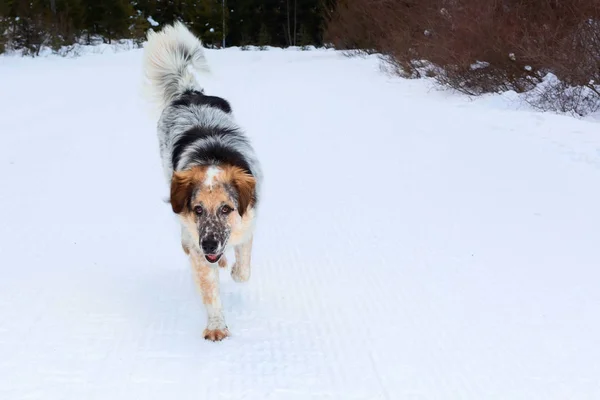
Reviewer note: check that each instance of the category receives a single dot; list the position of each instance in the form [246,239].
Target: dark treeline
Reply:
[30,25]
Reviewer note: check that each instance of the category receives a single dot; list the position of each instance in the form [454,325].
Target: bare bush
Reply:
[556,95]
[386,27]
[480,46]
[475,44]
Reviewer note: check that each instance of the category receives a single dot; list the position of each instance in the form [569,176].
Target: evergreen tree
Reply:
[114,23]
[205,18]
[32,24]
[5,7]
[264,39]
[303,39]
[29,31]
[93,10]
[138,27]
[64,22]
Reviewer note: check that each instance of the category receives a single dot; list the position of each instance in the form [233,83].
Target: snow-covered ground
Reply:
[413,244]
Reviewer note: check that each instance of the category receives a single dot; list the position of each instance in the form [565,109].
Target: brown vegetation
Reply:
[478,46]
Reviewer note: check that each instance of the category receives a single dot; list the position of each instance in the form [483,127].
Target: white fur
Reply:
[168,56]
[211,173]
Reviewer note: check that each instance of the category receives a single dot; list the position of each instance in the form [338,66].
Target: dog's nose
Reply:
[210,246]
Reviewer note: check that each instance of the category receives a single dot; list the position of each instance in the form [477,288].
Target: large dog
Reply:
[209,164]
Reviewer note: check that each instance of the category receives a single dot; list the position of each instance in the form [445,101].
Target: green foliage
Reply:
[264,38]
[138,28]
[114,22]
[304,39]
[205,19]
[4,23]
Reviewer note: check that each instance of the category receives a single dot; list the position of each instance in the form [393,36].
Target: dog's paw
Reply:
[215,335]
[223,262]
[240,274]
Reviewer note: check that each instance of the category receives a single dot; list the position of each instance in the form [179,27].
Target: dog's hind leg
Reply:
[207,278]
[240,272]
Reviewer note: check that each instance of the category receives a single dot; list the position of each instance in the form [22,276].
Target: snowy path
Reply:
[412,244]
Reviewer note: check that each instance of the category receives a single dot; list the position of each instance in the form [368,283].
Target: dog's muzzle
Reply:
[210,248]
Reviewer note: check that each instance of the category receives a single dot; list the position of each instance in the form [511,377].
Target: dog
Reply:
[209,163]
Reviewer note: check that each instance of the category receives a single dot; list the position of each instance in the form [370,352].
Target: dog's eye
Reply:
[226,210]
[198,210]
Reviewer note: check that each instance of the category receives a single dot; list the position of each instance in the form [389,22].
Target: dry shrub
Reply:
[386,27]
[480,46]
[474,43]
[556,95]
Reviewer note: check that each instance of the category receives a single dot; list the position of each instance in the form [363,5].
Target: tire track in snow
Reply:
[405,259]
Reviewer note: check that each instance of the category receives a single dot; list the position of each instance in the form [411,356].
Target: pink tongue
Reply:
[212,258]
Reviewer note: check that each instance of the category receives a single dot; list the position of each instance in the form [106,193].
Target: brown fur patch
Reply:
[213,199]
[209,287]
[244,183]
[184,182]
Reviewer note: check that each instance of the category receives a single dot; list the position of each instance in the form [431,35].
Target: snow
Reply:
[152,21]
[412,243]
[78,49]
[479,65]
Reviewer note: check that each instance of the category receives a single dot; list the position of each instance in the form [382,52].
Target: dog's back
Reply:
[200,99]
[194,128]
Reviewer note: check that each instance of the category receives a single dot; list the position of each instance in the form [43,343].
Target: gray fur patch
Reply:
[175,121]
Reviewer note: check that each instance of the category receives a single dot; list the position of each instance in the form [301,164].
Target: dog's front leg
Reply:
[240,272]
[207,278]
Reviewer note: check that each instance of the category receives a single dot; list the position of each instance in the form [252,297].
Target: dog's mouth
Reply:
[213,258]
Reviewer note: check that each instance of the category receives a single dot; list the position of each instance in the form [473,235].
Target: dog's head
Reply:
[213,203]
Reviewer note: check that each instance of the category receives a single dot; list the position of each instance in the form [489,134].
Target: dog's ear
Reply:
[245,185]
[182,184]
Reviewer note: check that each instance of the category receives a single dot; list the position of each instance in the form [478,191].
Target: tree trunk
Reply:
[289,34]
[295,19]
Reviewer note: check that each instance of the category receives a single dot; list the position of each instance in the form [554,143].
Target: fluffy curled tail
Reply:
[168,56]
